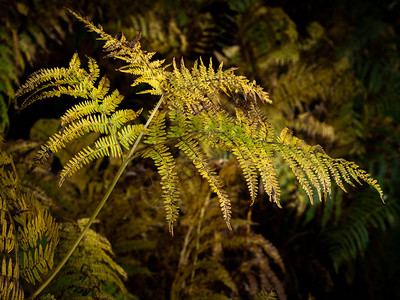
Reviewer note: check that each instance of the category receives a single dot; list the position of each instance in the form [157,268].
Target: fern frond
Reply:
[202,80]
[95,123]
[79,110]
[155,133]
[104,146]
[169,181]
[111,102]
[122,116]
[98,112]
[138,61]
[191,148]
[128,134]
[94,70]
[249,171]
[351,235]
[319,167]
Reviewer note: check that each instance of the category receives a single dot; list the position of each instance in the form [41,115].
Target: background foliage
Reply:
[332,70]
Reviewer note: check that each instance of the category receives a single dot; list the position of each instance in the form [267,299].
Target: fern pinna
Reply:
[188,116]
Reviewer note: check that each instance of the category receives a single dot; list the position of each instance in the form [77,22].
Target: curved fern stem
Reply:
[100,206]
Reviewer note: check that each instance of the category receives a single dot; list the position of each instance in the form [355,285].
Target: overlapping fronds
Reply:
[191,117]
[97,112]
[251,138]
[91,270]
[28,235]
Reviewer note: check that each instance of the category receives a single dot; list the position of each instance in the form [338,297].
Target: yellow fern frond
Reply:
[128,134]
[191,148]
[79,110]
[122,116]
[138,61]
[318,167]
[249,171]
[155,133]
[111,102]
[169,181]
[104,146]
[190,85]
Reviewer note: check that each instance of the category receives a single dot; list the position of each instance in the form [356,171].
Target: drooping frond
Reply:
[169,181]
[314,168]
[191,148]
[165,163]
[91,270]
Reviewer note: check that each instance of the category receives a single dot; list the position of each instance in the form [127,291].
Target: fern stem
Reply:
[123,166]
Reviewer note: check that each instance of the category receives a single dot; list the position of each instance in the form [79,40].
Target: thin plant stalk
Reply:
[121,169]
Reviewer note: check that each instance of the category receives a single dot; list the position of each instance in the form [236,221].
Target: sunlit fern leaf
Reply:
[169,181]
[319,167]
[104,146]
[155,133]
[98,112]
[79,110]
[205,80]
[249,171]
[128,134]
[138,61]
[94,70]
[192,149]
